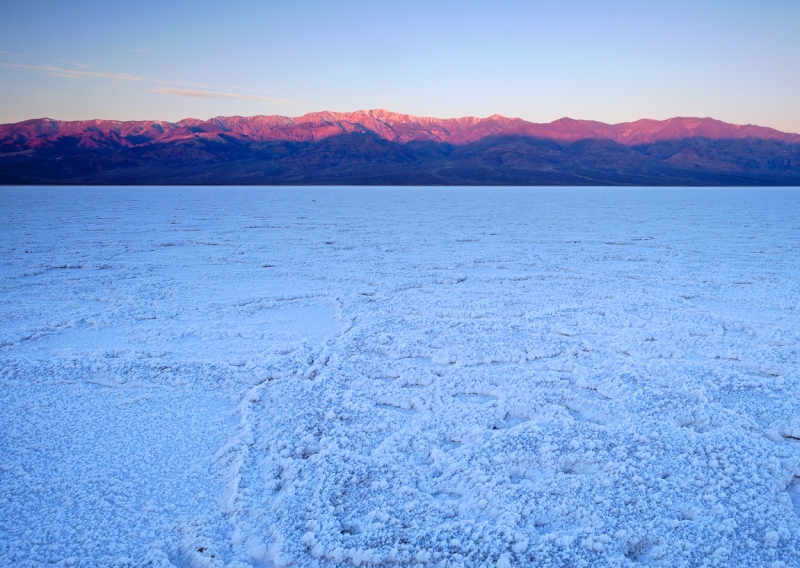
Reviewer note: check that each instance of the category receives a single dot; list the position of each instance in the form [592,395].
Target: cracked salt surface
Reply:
[400,376]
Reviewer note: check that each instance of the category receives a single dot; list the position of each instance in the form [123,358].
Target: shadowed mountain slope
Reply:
[381,147]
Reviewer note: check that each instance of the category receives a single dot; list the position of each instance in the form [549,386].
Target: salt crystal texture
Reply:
[399,376]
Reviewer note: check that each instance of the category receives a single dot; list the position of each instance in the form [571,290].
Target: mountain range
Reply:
[379,147]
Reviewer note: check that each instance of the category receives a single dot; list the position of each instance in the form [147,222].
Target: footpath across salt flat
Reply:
[399,376]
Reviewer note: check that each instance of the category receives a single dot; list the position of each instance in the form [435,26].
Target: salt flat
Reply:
[400,376]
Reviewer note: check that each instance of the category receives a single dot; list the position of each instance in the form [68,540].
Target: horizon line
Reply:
[377,111]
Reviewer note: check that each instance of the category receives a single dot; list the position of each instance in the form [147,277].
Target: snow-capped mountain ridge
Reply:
[391,126]
[386,148]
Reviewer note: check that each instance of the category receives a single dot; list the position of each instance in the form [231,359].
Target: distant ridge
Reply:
[389,125]
[382,147]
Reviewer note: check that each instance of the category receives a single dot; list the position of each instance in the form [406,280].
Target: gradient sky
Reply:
[610,61]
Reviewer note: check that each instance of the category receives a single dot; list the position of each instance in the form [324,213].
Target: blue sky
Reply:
[609,61]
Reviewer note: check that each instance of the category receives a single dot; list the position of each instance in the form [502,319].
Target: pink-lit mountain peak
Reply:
[404,127]
[385,124]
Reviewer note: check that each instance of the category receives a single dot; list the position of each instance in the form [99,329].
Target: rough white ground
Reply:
[360,376]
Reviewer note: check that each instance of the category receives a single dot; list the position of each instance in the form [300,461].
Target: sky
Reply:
[609,61]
